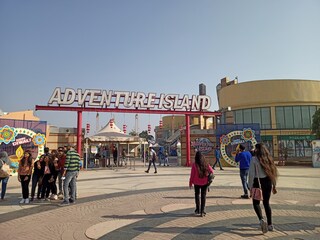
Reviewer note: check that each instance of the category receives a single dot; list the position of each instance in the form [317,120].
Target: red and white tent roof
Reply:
[112,133]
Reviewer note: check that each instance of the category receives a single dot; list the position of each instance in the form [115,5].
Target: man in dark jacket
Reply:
[243,158]
[38,174]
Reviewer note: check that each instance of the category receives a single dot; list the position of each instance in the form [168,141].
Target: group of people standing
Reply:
[255,166]
[60,165]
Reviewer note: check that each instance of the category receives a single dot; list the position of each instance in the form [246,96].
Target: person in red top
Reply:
[199,178]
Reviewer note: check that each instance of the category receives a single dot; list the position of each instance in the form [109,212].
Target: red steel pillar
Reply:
[79,132]
[188,145]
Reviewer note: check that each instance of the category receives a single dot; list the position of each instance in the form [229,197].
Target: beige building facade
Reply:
[283,107]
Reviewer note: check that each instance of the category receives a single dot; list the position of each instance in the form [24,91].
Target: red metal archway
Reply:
[79,111]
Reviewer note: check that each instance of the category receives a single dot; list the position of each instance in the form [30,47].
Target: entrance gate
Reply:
[136,103]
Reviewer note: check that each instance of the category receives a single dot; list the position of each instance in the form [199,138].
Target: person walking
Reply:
[200,171]
[262,167]
[24,175]
[152,159]
[166,158]
[4,159]
[71,172]
[124,157]
[115,155]
[243,158]
[217,154]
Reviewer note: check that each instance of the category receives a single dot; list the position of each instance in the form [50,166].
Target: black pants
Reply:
[36,181]
[266,187]
[25,186]
[154,165]
[203,190]
[45,191]
[53,185]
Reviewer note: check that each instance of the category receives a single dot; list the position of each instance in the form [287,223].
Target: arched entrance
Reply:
[89,100]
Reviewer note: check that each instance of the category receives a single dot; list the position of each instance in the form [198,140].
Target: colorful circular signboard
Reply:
[9,134]
[246,135]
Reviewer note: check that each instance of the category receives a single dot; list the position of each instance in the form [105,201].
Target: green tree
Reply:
[133,133]
[144,134]
[316,123]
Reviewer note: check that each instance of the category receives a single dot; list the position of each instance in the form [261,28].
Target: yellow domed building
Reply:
[282,107]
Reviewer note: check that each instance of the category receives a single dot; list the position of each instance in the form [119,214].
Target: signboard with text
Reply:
[126,99]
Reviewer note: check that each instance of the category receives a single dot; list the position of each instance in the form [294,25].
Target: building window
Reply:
[256,115]
[306,121]
[265,118]
[247,116]
[280,117]
[297,117]
[238,116]
[261,116]
[294,117]
[288,117]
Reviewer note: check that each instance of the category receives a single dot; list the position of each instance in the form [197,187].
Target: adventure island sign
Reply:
[126,99]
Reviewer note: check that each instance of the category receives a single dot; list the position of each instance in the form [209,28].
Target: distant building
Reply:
[283,109]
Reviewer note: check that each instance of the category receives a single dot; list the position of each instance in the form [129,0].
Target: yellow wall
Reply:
[22,115]
[266,93]
[269,93]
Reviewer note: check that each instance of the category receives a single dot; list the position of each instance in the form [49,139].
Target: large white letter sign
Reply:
[105,99]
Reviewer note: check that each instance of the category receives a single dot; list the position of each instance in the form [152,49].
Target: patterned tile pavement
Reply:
[130,204]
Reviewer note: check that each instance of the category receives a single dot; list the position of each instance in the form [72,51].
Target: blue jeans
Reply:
[4,186]
[71,178]
[217,161]
[244,179]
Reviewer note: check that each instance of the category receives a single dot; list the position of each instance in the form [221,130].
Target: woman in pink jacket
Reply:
[199,178]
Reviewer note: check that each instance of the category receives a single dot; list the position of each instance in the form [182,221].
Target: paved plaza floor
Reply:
[127,203]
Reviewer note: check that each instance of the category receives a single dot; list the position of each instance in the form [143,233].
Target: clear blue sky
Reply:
[161,46]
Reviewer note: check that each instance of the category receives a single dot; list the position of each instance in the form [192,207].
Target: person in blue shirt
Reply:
[243,158]
[217,154]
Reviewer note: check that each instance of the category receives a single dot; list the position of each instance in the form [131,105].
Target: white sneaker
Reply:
[54,197]
[264,226]
[27,201]
[22,201]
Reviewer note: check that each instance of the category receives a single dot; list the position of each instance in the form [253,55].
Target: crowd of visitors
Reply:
[53,176]
[59,166]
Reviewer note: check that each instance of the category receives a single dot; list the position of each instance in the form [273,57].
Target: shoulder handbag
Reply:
[256,193]
[210,180]
[5,170]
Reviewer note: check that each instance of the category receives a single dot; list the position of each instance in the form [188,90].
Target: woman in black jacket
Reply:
[48,170]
